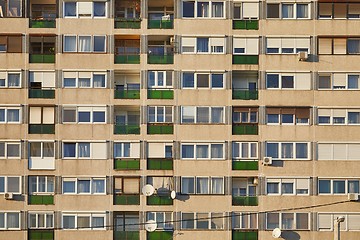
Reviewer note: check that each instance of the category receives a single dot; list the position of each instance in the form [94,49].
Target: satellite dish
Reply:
[148,190]
[173,194]
[162,191]
[150,225]
[276,233]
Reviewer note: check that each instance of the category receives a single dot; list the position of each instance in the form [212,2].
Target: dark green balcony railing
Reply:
[156,128]
[245,94]
[127,58]
[244,201]
[42,23]
[41,199]
[40,234]
[159,200]
[160,24]
[245,165]
[126,129]
[245,235]
[160,94]
[245,59]
[127,199]
[42,58]
[128,23]
[42,93]
[41,128]
[160,164]
[161,59]
[246,24]
[126,235]
[127,94]
[242,129]
[160,235]
[126,164]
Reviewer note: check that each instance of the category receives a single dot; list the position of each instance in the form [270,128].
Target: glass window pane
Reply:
[272,150]
[48,149]
[69,187]
[287,220]
[13,115]
[338,187]
[217,150]
[324,186]
[203,45]
[83,186]
[35,149]
[188,80]
[202,80]
[69,43]
[13,220]
[84,150]
[97,222]
[217,115]
[2,184]
[188,9]
[287,10]
[99,117]
[99,43]
[187,151]
[70,9]
[217,81]
[84,44]
[353,186]
[69,149]
[187,221]
[272,220]
[301,150]
[84,116]
[202,115]
[302,221]
[14,79]
[13,150]
[2,115]
[69,115]
[202,151]
[287,188]
[13,184]
[202,221]
[272,81]
[98,186]
[202,185]
[287,150]
[99,9]
[99,80]
[203,9]
[272,188]
[187,185]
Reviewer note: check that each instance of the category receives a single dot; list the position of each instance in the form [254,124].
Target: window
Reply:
[9,220]
[11,44]
[42,115]
[243,187]
[338,186]
[41,220]
[288,10]
[338,151]
[339,10]
[163,219]
[287,45]
[202,115]
[326,221]
[296,186]
[41,184]
[202,151]
[205,9]
[42,45]
[10,79]
[338,46]
[244,150]
[84,114]
[10,150]
[160,150]
[287,150]
[203,45]
[126,149]
[94,221]
[291,81]
[126,185]
[86,150]
[197,80]
[163,184]
[338,116]
[42,80]
[160,79]
[126,221]
[245,115]
[244,220]
[202,185]
[287,221]
[84,185]
[246,10]
[10,115]
[10,184]
[287,116]
[11,8]
[160,114]
[85,9]
[338,81]
[246,46]
[41,155]
[84,44]
[202,221]
[84,79]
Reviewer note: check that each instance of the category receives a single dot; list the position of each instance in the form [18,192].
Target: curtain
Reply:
[187,151]
[151,114]
[48,149]
[84,82]
[287,188]
[151,79]
[68,222]
[98,186]
[14,8]
[160,219]
[160,79]
[84,44]
[217,115]
[287,10]
[202,151]
[42,184]
[32,221]
[353,186]
[99,9]
[287,150]
[202,115]
[272,187]
[32,185]
[13,115]
[13,80]
[69,149]
[160,114]
[353,81]
[301,150]
[35,149]
[83,222]
[49,220]
[97,222]
[244,150]
[202,185]
[353,46]
[70,44]
[287,221]
[302,11]
[203,9]
[338,186]
[235,150]
[13,220]
[187,185]
[217,185]
[50,184]
[217,9]
[118,150]
[202,45]
[217,151]
[84,150]
[99,80]
[70,9]
[83,186]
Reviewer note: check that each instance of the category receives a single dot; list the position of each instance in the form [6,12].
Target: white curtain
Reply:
[287,10]
[217,9]
[99,80]
[202,151]
[202,185]
[203,9]
[84,43]
[217,115]
[13,115]
[217,185]
[70,44]
[302,11]
[97,222]
[84,150]
[99,9]
[48,149]
[187,185]
[287,150]
[13,220]
[13,80]
[217,150]
[83,186]
[84,82]
[98,186]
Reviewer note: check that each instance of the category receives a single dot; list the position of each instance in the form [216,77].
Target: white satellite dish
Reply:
[148,190]
[150,225]
[276,233]
[173,194]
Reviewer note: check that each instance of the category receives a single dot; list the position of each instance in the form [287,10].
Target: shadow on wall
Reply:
[182,197]
[290,235]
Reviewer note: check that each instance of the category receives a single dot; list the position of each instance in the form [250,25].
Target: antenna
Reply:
[276,233]
[148,190]
[150,225]
[173,194]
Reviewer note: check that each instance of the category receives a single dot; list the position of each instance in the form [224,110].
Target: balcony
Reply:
[245,165]
[127,94]
[244,201]
[41,199]
[42,23]
[161,59]
[159,200]
[245,94]
[126,164]
[41,128]
[133,199]
[127,23]
[160,235]
[244,235]
[245,59]
[246,24]
[42,93]
[40,234]
[160,94]
[126,129]
[161,24]
[126,235]
[160,164]
[160,128]
[42,58]
[127,58]
[245,129]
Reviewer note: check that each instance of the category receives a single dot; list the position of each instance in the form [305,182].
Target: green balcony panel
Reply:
[160,164]
[127,164]
[40,234]
[163,235]
[41,199]
[245,165]
[245,59]
[42,93]
[128,23]
[127,59]
[160,59]
[246,24]
[245,235]
[160,24]
[127,200]
[126,129]
[245,130]
[244,201]
[42,23]
[41,128]
[160,94]
[159,200]
[245,94]
[126,235]
[160,129]
[127,94]
[42,58]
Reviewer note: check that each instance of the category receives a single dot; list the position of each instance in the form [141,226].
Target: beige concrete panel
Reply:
[290,168]
[12,205]
[286,98]
[160,102]
[332,28]
[85,26]
[12,131]
[269,203]
[245,67]
[343,63]
[40,208]
[128,67]
[283,62]
[202,97]
[128,31]
[84,167]
[203,234]
[203,61]
[201,167]
[202,132]
[84,60]
[287,27]
[129,208]
[251,138]
[6,235]
[78,203]
[14,25]
[129,137]
[198,27]
[13,96]
[43,66]
[286,132]
[42,101]
[12,166]
[127,102]
[43,136]
[339,168]
[244,173]
[337,133]
[206,203]
[83,234]
[341,207]
[266,235]
[44,30]
[85,96]
[84,131]
[337,98]
[13,60]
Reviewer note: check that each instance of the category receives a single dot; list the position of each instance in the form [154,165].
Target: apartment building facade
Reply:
[247,110]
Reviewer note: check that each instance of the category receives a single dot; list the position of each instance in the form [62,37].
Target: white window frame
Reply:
[6,149]
[91,44]
[90,109]
[280,220]
[156,114]
[294,47]
[195,116]
[332,110]
[333,216]
[76,215]
[91,14]
[209,185]
[283,180]
[294,151]
[241,4]
[196,219]
[5,220]
[209,145]
[37,185]
[168,225]
[248,215]
[6,73]
[6,114]
[76,181]
[77,79]
[346,182]
[249,151]
[6,184]
[46,214]
[294,17]
[77,149]
[156,74]
[209,10]
[247,42]
[195,74]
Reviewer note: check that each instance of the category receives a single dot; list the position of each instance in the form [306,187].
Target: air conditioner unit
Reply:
[9,196]
[353,197]
[165,18]
[172,39]
[267,161]
[303,56]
